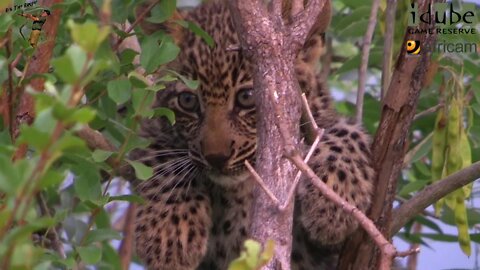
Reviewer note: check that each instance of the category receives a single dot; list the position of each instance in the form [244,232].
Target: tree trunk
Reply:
[274,46]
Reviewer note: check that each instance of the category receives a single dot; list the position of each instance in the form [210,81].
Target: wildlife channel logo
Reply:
[38,16]
[453,25]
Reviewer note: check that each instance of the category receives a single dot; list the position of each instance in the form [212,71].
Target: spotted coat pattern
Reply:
[197,205]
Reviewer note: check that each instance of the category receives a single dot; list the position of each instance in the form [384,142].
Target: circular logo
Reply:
[413,46]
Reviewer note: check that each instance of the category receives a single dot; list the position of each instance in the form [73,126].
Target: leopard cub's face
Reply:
[217,119]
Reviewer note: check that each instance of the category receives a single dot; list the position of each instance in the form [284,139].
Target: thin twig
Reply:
[53,234]
[408,252]
[304,20]
[293,189]
[125,250]
[297,7]
[427,111]
[326,60]
[362,72]
[233,48]
[388,45]
[260,182]
[311,127]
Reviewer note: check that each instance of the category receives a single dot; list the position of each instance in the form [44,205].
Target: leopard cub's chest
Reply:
[231,218]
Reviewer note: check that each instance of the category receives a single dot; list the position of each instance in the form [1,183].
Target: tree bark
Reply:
[274,47]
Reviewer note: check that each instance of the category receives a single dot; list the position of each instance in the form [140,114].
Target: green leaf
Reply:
[25,256]
[192,84]
[413,186]
[357,14]
[156,87]
[142,101]
[127,56]
[88,35]
[3,70]
[163,11]
[142,171]
[138,80]
[476,90]
[422,148]
[70,65]
[51,179]
[201,33]
[101,155]
[83,116]
[111,256]
[6,21]
[100,235]
[127,198]
[165,112]
[69,142]
[119,90]
[25,231]
[154,55]
[429,223]
[34,137]
[87,181]
[45,121]
[90,254]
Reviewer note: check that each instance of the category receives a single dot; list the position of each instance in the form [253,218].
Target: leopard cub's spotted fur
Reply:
[197,209]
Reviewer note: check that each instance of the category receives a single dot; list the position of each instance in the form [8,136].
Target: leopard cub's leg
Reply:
[342,161]
[172,226]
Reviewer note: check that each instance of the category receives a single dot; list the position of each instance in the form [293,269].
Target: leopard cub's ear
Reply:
[314,46]
[169,26]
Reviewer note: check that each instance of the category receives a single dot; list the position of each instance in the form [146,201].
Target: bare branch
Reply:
[260,182]
[233,48]
[433,193]
[293,189]
[297,7]
[388,45]
[52,234]
[276,7]
[304,20]
[362,72]
[95,139]
[408,252]
[428,111]
[311,127]
[125,250]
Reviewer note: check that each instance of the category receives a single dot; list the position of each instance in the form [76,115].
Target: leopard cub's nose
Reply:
[217,161]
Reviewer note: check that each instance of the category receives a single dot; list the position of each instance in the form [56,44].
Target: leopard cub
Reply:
[197,205]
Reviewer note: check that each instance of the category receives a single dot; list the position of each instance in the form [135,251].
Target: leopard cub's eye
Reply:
[188,101]
[245,98]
